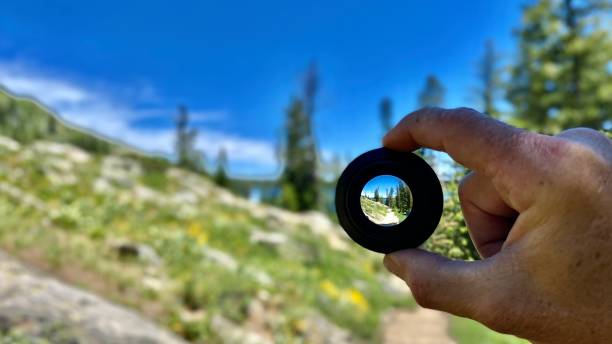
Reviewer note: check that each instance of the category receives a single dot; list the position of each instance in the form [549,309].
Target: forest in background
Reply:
[559,78]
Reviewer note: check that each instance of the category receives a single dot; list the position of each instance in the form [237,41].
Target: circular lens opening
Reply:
[386,200]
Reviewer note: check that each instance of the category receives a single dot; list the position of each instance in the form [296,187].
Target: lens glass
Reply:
[386,200]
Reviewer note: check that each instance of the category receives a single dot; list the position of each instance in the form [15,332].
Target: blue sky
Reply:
[383,183]
[122,67]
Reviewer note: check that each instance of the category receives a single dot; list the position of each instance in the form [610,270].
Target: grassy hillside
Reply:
[373,209]
[25,121]
[194,257]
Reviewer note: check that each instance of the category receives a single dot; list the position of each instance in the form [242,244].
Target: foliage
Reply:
[432,94]
[562,78]
[187,155]
[220,176]
[451,238]
[386,114]
[467,331]
[489,77]
[27,121]
[300,169]
[373,208]
[403,200]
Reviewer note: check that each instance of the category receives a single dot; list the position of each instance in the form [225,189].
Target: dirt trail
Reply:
[420,326]
[389,219]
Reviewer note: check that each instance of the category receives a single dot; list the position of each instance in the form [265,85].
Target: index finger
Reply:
[469,137]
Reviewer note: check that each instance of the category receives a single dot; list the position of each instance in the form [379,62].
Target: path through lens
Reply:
[386,200]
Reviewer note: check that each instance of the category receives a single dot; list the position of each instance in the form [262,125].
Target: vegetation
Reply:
[141,231]
[562,78]
[373,208]
[490,81]
[187,155]
[149,235]
[386,114]
[300,184]
[397,200]
[27,122]
[220,176]
[433,92]
[467,331]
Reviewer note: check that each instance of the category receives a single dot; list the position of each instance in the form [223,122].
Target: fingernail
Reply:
[391,264]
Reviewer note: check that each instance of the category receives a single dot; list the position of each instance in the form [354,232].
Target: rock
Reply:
[153,283]
[21,196]
[42,307]
[102,186]
[185,197]
[231,333]
[63,150]
[394,285]
[319,330]
[142,252]
[143,193]
[268,238]
[6,143]
[220,257]
[259,276]
[120,170]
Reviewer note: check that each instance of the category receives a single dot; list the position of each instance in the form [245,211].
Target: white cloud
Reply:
[103,114]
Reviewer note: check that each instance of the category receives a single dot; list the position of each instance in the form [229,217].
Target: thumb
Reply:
[436,282]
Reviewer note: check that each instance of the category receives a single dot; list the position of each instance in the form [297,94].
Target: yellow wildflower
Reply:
[330,289]
[356,298]
[195,231]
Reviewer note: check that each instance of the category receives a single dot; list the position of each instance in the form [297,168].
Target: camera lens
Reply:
[388,200]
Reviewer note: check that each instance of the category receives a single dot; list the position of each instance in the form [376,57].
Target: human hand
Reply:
[539,211]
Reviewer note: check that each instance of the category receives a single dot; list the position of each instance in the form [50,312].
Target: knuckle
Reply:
[586,133]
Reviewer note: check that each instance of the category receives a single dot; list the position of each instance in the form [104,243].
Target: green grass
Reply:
[372,208]
[71,238]
[400,215]
[467,331]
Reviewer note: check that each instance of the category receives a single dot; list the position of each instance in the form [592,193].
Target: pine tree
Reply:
[489,79]
[390,195]
[221,177]
[386,114]
[404,199]
[300,172]
[562,78]
[433,93]
[376,195]
[186,152]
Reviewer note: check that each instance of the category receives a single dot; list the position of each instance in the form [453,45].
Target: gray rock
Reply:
[43,307]
[139,251]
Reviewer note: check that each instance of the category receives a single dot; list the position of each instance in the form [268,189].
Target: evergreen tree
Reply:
[51,126]
[404,199]
[489,79]
[376,195]
[386,114]
[562,78]
[433,93]
[390,195]
[221,177]
[300,173]
[187,155]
